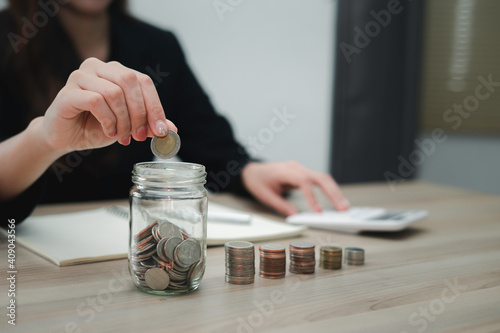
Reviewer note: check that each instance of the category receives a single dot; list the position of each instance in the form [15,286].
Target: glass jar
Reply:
[168,227]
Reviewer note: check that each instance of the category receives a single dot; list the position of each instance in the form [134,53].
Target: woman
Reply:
[72,81]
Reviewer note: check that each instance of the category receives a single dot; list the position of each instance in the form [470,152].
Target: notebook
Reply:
[259,229]
[102,234]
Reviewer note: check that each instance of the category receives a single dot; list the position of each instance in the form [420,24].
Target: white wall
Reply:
[262,55]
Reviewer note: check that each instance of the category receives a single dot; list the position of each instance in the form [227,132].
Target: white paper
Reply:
[259,228]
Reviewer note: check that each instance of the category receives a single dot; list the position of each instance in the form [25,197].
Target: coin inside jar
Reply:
[168,230]
[156,278]
[166,147]
[188,252]
[170,247]
[195,272]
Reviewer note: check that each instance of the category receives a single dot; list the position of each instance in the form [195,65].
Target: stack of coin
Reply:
[302,257]
[330,257]
[240,262]
[272,261]
[163,256]
[354,256]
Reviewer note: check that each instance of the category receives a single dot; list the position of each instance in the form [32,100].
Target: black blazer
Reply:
[105,173]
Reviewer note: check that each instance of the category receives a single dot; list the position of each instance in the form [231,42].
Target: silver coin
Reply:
[139,272]
[239,245]
[144,232]
[148,254]
[141,282]
[155,234]
[159,262]
[354,249]
[195,272]
[175,275]
[160,249]
[240,262]
[272,247]
[168,230]
[302,245]
[246,273]
[144,256]
[145,247]
[231,261]
[354,253]
[166,147]
[170,246]
[239,280]
[188,252]
[136,267]
[137,246]
[302,257]
[177,285]
[156,278]
[354,257]
[181,268]
[149,263]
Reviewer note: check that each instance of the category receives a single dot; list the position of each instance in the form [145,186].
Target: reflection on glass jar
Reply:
[168,227]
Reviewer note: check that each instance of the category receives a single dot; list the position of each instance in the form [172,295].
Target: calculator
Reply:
[358,219]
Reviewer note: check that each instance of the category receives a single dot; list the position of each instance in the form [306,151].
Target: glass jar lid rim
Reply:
[171,172]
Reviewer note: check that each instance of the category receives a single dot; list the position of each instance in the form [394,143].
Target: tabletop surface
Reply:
[442,274]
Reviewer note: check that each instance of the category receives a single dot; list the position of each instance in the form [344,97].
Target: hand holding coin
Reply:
[101,103]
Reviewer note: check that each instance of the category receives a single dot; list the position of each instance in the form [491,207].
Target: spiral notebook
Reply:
[102,234]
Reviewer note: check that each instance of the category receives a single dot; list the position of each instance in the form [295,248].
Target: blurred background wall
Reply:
[460,45]
[253,57]
[256,56]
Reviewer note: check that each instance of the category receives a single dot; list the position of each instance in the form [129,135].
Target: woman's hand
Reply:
[102,103]
[268,181]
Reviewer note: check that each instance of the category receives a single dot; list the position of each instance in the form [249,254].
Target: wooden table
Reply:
[443,274]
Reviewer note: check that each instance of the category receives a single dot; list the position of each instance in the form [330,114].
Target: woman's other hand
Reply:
[268,181]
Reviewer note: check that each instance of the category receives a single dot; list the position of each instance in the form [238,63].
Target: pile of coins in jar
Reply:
[163,256]
[240,262]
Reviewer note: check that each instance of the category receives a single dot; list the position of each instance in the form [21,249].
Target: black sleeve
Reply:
[206,136]
[20,207]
